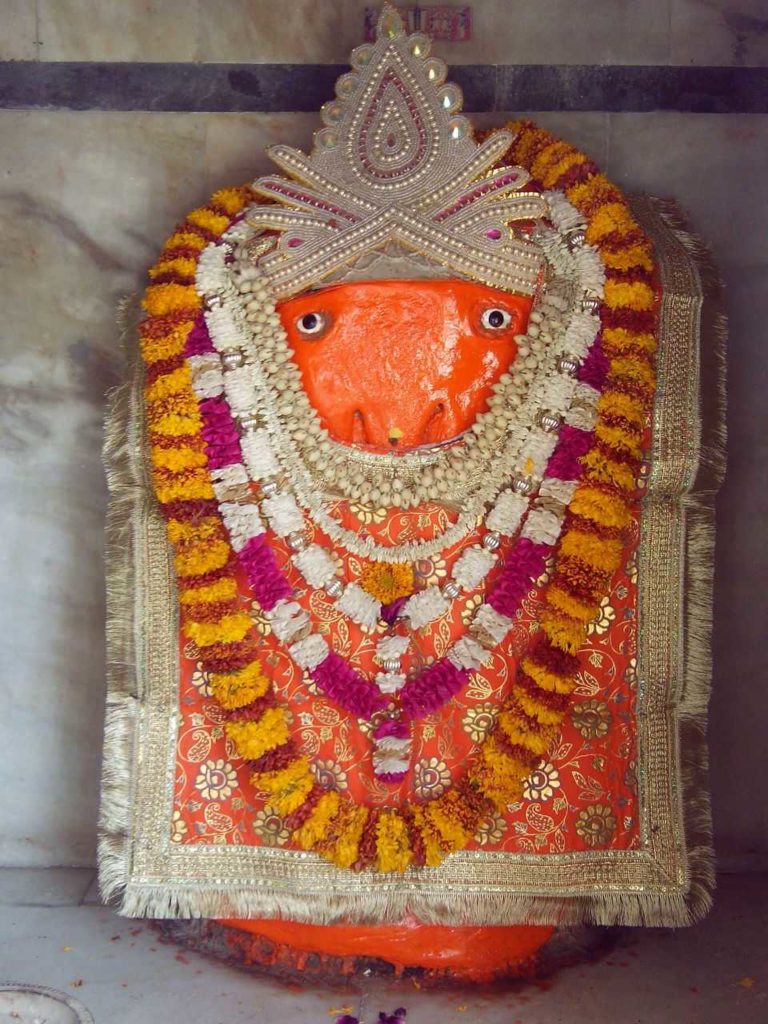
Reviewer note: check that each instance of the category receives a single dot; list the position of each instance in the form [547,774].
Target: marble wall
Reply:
[86,200]
[545,32]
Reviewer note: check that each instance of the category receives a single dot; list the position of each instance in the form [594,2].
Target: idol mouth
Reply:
[394,446]
[397,452]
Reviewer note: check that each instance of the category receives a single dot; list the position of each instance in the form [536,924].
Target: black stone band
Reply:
[303,87]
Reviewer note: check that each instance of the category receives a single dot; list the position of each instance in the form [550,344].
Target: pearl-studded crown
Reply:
[396,165]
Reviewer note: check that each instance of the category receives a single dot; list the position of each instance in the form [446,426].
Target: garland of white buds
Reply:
[246,329]
[287,452]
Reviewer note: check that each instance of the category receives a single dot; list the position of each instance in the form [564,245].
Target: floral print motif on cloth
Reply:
[583,797]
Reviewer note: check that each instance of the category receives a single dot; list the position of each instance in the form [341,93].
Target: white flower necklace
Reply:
[258,406]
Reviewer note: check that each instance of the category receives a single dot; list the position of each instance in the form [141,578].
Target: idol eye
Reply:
[495,319]
[311,324]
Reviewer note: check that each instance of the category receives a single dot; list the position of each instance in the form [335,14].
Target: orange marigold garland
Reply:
[589,551]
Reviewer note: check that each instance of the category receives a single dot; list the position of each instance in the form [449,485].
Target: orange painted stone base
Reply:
[472,953]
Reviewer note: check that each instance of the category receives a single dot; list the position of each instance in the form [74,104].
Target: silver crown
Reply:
[397,164]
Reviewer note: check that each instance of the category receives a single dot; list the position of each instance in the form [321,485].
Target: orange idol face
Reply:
[392,365]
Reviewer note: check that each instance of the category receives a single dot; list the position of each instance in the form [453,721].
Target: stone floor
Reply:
[53,932]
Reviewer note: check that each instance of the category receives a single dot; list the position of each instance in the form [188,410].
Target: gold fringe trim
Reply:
[641,909]
[699,506]
[128,491]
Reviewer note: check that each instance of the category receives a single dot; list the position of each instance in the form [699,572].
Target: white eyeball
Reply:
[311,323]
[495,319]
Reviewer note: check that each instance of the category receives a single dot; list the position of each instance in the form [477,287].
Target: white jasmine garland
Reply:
[586,394]
[582,418]
[242,522]
[467,653]
[472,566]
[558,393]
[538,449]
[425,606]
[495,625]
[225,478]
[542,526]
[287,618]
[507,511]
[397,745]
[309,652]
[591,269]
[563,214]
[360,606]
[316,565]
[386,764]
[222,328]
[283,513]
[580,333]
[205,362]
[207,379]
[239,389]
[211,276]
[237,232]
[258,454]
[390,647]
[559,490]
[583,412]
[390,682]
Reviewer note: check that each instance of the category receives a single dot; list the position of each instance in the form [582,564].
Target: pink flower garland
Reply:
[427,692]
[265,579]
[594,369]
[222,441]
[565,462]
[348,688]
[198,340]
[524,565]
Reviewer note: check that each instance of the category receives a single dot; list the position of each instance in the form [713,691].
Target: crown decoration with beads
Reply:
[396,165]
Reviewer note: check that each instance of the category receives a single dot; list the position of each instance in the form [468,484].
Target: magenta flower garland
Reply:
[426,692]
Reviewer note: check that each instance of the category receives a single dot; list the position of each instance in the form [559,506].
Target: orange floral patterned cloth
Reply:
[583,797]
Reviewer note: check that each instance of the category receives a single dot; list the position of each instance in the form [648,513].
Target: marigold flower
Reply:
[231,627]
[314,828]
[220,590]
[167,298]
[606,509]
[252,739]
[186,239]
[165,346]
[345,848]
[559,598]
[238,689]
[188,485]
[206,219]
[232,199]
[182,267]
[387,581]
[635,296]
[202,559]
[288,788]
[393,847]
[547,679]
[564,632]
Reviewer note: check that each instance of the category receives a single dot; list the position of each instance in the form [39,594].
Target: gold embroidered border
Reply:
[667,881]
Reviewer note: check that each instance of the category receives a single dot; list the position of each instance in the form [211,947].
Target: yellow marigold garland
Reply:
[343,832]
